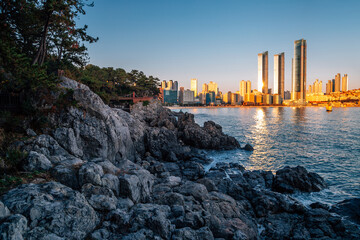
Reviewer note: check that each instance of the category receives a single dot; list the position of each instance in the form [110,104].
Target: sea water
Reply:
[327,143]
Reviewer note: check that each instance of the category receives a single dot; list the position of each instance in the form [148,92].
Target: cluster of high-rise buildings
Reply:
[335,84]
[169,91]
[211,95]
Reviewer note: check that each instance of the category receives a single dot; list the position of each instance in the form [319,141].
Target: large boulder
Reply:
[349,208]
[92,129]
[137,185]
[292,179]
[52,208]
[100,198]
[13,227]
[37,161]
[162,143]
[90,173]
[208,137]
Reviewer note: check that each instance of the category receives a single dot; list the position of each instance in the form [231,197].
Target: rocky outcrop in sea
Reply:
[118,175]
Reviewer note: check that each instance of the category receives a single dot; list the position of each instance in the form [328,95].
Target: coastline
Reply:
[147,170]
[269,106]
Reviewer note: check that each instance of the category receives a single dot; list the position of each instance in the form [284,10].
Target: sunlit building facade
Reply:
[213,87]
[298,91]
[248,87]
[205,88]
[242,89]
[263,72]
[345,83]
[328,87]
[279,72]
[337,82]
[194,86]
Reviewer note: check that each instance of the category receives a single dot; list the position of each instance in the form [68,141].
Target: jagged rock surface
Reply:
[141,176]
[289,180]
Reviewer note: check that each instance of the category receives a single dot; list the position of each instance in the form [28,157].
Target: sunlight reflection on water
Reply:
[326,143]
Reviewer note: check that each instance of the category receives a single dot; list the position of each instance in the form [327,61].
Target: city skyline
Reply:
[220,44]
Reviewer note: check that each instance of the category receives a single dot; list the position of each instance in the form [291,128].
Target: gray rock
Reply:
[37,161]
[161,142]
[66,137]
[197,190]
[142,234]
[4,211]
[98,130]
[100,234]
[31,132]
[151,216]
[248,147]
[90,173]
[130,187]
[112,182]
[208,137]
[107,166]
[13,228]
[291,179]
[349,208]
[173,181]
[73,162]
[66,175]
[42,234]
[100,198]
[208,183]
[137,185]
[124,203]
[193,170]
[53,206]
[190,234]
[47,146]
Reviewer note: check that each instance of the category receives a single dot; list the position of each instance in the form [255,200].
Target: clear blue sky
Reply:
[218,40]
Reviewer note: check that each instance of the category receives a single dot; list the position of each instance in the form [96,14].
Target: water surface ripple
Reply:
[323,142]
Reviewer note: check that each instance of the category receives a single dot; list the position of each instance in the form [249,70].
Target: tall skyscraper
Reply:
[213,87]
[170,85]
[320,87]
[175,86]
[316,86]
[242,89]
[248,87]
[205,88]
[328,87]
[194,86]
[163,84]
[279,69]
[337,82]
[181,95]
[263,72]
[298,91]
[345,83]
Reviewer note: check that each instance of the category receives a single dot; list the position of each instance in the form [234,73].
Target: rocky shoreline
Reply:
[141,176]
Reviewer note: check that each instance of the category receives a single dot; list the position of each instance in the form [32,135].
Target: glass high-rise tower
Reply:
[298,91]
[279,69]
[345,83]
[263,72]
[194,86]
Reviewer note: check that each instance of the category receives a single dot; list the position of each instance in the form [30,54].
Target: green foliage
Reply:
[37,38]
[66,100]
[145,103]
[109,83]
[14,158]
[8,182]
[10,121]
